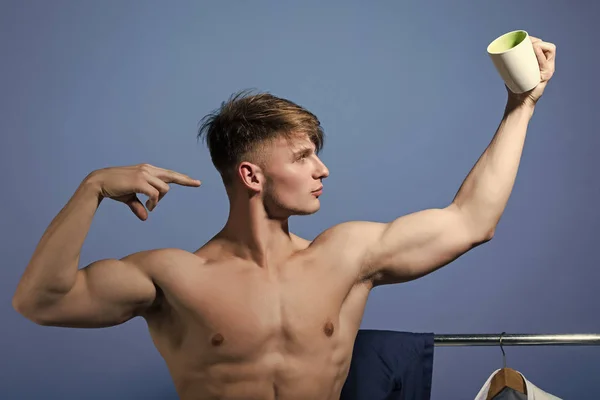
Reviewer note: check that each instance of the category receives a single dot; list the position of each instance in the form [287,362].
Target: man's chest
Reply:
[243,315]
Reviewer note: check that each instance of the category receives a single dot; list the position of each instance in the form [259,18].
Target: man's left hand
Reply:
[546,54]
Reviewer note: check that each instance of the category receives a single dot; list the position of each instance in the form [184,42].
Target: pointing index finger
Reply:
[180,179]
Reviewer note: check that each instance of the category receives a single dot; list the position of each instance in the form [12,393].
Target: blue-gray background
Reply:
[409,100]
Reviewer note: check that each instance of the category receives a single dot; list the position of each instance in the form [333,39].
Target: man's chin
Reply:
[307,211]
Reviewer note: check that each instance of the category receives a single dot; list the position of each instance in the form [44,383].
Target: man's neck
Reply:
[254,236]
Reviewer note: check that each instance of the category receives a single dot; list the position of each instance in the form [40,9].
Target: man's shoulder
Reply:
[348,232]
[149,260]
[299,242]
[345,247]
[347,241]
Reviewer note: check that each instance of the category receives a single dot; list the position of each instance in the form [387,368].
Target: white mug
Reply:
[515,60]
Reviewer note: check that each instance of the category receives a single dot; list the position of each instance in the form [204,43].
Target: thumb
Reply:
[138,208]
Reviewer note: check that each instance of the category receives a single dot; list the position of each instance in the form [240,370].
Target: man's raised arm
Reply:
[420,243]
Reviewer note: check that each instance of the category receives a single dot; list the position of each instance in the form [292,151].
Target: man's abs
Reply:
[230,331]
[274,377]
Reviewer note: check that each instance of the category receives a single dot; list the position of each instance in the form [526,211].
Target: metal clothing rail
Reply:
[579,339]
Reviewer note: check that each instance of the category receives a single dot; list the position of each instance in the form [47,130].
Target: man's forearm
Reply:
[53,266]
[485,192]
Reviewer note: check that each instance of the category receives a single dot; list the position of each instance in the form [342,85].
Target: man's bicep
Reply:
[417,244]
[106,293]
[122,284]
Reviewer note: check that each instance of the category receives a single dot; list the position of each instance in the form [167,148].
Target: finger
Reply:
[137,207]
[162,189]
[149,190]
[541,58]
[180,179]
[170,176]
[549,50]
[534,39]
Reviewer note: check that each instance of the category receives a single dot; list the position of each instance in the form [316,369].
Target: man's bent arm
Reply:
[54,263]
[54,292]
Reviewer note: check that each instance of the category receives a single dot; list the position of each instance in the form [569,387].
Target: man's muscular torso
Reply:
[229,329]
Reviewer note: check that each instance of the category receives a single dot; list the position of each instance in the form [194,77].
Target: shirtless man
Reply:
[258,312]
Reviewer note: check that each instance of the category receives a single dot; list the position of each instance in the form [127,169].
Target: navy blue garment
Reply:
[390,365]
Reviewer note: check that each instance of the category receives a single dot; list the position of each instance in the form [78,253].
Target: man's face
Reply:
[294,174]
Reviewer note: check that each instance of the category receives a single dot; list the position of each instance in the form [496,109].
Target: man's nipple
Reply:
[217,340]
[328,328]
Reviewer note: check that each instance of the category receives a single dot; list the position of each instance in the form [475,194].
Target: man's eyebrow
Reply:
[303,151]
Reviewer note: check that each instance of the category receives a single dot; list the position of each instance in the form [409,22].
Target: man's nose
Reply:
[322,170]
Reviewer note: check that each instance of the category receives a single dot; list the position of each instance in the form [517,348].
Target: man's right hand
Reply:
[123,183]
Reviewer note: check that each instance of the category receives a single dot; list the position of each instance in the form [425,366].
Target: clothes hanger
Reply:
[506,377]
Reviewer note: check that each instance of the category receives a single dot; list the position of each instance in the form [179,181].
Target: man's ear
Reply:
[251,176]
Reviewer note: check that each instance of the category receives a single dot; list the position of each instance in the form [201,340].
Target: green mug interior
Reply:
[507,41]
